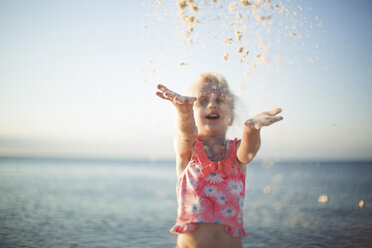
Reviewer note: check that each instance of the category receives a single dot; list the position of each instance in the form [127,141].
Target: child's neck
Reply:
[212,140]
[214,144]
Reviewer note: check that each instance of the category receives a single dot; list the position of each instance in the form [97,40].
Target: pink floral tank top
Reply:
[211,192]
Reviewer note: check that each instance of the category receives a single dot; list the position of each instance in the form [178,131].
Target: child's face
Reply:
[213,109]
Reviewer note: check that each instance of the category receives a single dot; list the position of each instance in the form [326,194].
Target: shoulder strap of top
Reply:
[198,144]
[199,151]
[231,148]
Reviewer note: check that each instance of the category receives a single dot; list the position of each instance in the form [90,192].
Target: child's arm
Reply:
[186,128]
[251,140]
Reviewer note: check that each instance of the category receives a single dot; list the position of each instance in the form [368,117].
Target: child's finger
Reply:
[173,96]
[277,118]
[164,96]
[165,92]
[161,95]
[272,120]
[274,111]
[162,88]
[170,95]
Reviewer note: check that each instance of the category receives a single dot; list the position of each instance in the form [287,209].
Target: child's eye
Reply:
[220,100]
[203,100]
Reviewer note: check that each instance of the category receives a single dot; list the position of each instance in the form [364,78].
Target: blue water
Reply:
[76,203]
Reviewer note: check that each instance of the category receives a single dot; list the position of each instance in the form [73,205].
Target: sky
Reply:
[78,78]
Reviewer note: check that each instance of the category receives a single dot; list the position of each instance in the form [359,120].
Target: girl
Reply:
[210,170]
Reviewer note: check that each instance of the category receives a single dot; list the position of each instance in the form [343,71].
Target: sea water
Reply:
[106,203]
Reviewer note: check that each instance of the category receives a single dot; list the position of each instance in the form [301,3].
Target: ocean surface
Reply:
[87,203]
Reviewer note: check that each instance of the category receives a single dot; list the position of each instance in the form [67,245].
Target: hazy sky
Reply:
[77,78]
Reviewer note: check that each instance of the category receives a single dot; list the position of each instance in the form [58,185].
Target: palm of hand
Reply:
[178,100]
[264,119]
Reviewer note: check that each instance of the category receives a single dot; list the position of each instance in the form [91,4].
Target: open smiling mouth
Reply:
[213,117]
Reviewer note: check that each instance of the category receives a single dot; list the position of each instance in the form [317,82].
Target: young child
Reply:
[211,170]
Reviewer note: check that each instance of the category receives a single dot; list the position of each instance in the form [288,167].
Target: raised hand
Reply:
[264,119]
[181,102]
[187,130]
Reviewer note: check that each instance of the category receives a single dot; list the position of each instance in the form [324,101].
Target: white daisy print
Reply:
[241,185]
[235,187]
[198,220]
[240,218]
[210,191]
[221,199]
[196,170]
[214,178]
[192,184]
[228,212]
[195,206]
[240,201]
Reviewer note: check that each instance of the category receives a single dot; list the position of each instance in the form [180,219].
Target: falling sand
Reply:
[243,32]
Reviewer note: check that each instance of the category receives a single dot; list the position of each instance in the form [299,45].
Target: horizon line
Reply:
[172,160]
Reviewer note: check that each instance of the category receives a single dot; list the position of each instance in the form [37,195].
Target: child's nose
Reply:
[212,103]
